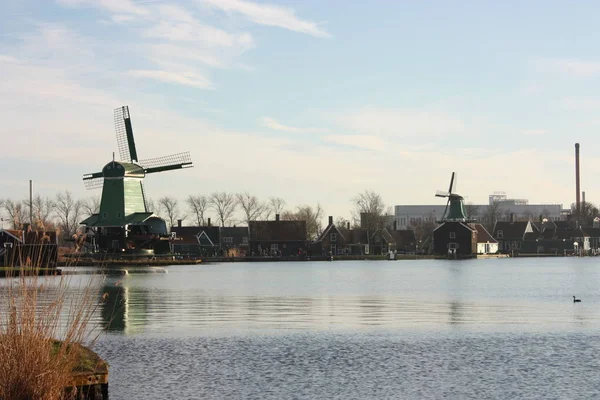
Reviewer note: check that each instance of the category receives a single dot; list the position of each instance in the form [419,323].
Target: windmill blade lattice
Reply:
[173,161]
[93,183]
[124,131]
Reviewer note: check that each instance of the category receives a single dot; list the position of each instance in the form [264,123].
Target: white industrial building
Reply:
[519,209]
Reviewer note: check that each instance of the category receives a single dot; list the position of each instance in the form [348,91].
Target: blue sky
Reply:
[311,101]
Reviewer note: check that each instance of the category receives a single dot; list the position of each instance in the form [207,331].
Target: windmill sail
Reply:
[167,163]
[124,130]
[93,181]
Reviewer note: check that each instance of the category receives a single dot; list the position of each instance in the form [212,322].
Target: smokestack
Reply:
[31,202]
[179,221]
[330,220]
[395,225]
[583,198]
[208,221]
[577,186]
[276,217]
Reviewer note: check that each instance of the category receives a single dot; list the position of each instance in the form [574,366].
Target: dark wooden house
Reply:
[331,241]
[196,241]
[455,239]
[406,240]
[518,236]
[234,241]
[278,238]
[28,248]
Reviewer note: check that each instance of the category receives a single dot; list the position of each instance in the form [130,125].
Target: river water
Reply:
[422,329]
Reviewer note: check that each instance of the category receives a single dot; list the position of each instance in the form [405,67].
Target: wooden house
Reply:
[406,240]
[516,236]
[486,244]
[28,247]
[234,241]
[455,240]
[331,241]
[278,238]
[196,241]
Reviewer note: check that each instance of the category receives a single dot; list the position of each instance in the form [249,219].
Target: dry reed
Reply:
[43,322]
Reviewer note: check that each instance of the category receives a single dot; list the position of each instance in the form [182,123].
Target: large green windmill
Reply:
[455,207]
[123,203]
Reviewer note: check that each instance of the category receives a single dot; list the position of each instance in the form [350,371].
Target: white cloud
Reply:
[273,124]
[573,67]
[581,103]
[366,142]
[269,15]
[534,132]
[196,32]
[8,59]
[114,6]
[401,122]
[183,78]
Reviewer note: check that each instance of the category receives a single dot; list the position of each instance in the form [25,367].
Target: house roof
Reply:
[193,235]
[464,224]
[483,236]
[385,235]
[515,229]
[591,232]
[355,236]
[14,233]
[277,230]
[330,227]
[404,237]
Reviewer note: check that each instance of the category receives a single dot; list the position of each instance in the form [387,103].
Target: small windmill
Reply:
[455,208]
[123,198]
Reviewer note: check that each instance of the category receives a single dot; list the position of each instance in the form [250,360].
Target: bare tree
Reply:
[423,229]
[311,216]
[68,211]
[368,211]
[198,206]
[224,205]
[252,207]
[275,206]
[41,211]
[152,207]
[472,211]
[15,211]
[170,208]
[91,205]
[342,223]
[491,215]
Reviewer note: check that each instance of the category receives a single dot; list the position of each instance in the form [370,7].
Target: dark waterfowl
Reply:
[576,300]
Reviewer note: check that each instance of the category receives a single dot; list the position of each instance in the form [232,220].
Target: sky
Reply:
[312,101]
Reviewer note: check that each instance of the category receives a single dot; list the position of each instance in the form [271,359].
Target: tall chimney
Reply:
[208,221]
[577,186]
[276,217]
[179,223]
[330,220]
[583,199]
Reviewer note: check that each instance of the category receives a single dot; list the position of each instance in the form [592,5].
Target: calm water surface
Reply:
[477,329]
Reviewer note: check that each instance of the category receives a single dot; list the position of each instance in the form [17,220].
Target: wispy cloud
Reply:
[367,142]
[183,78]
[574,67]
[114,6]
[275,125]
[401,122]
[269,15]
[534,132]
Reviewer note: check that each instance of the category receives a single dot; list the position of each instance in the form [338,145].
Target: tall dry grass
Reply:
[43,322]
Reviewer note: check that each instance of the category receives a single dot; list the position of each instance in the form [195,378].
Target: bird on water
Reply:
[575,300]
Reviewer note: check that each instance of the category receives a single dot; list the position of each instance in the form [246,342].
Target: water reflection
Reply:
[391,296]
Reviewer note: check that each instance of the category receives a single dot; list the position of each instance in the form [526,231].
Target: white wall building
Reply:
[409,215]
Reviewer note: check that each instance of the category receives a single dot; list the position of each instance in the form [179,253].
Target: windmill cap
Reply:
[116,169]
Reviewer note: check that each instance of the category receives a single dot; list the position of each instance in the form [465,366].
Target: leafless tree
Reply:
[311,216]
[423,229]
[152,207]
[68,211]
[276,205]
[41,211]
[342,223]
[198,206]
[170,208]
[588,211]
[224,205]
[472,211]
[491,215]
[369,211]
[91,205]
[15,211]
[252,207]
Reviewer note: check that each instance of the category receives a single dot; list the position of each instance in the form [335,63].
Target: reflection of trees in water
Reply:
[114,307]
[456,312]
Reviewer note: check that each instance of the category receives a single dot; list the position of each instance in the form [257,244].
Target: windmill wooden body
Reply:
[455,237]
[124,222]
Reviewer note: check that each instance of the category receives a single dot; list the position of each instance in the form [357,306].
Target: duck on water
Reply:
[575,300]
